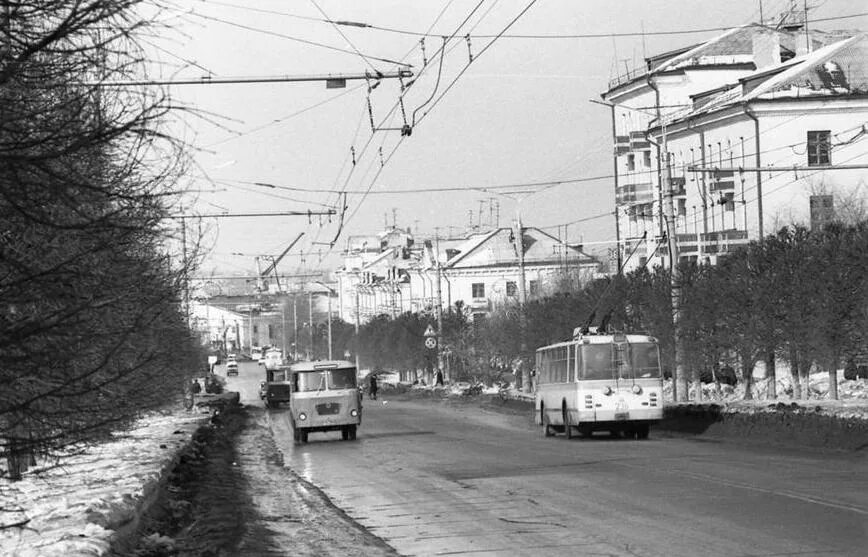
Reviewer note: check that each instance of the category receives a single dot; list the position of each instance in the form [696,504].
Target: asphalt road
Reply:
[446,478]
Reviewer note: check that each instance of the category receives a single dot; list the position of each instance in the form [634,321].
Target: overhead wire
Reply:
[295,39]
[341,33]
[601,35]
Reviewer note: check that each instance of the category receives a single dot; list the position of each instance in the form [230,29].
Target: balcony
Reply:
[722,180]
[638,141]
[687,243]
[634,194]
[622,144]
[724,241]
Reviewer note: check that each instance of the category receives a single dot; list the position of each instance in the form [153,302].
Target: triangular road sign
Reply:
[429,332]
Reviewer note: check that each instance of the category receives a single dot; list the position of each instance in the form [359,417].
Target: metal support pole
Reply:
[356,350]
[330,325]
[439,311]
[310,322]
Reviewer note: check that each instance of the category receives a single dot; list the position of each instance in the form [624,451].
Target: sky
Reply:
[519,114]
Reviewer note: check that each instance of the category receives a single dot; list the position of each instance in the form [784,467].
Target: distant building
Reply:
[482,271]
[753,96]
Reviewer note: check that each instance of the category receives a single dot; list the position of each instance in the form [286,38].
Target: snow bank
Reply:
[74,507]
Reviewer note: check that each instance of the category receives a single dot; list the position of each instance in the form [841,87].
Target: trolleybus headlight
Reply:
[607,390]
[637,390]
[354,412]
[302,416]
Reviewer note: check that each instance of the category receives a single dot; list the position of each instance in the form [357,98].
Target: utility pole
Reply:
[295,325]
[283,327]
[310,322]
[679,379]
[356,350]
[522,299]
[439,311]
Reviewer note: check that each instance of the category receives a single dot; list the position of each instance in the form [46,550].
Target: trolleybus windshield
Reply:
[645,360]
[600,361]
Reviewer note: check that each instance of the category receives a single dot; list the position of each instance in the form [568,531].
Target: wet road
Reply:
[439,478]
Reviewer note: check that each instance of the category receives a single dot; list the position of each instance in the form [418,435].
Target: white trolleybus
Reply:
[599,382]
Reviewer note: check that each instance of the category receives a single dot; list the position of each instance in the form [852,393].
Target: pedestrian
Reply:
[195,387]
[373,386]
[439,380]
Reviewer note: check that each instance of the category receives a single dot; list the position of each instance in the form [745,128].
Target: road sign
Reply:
[429,332]
[431,343]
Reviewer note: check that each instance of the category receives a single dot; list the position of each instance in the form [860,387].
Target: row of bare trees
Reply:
[92,329]
[798,296]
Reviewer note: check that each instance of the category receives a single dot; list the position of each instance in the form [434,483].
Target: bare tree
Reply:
[91,323]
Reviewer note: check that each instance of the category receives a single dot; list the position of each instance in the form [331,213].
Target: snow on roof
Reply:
[838,69]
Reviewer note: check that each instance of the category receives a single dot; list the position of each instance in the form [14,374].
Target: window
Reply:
[511,288]
[533,286]
[819,148]
[631,162]
[729,202]
[478,289]
[646,158]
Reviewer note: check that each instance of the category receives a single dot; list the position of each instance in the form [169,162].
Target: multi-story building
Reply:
[482,271]
[701,102]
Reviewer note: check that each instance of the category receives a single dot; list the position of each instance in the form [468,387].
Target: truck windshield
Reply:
[310,381]
[344,378]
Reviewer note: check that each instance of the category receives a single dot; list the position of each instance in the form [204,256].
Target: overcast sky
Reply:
[519,114]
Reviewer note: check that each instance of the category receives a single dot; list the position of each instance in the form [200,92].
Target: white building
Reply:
[685,93]
[218,326]
[482,271]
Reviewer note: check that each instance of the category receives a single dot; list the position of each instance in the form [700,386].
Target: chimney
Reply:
[766,50]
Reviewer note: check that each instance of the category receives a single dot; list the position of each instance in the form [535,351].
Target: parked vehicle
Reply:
[231,368]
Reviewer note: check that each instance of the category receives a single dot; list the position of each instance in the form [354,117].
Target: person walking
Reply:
[373,386]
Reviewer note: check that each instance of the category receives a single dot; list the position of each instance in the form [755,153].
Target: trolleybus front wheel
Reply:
[351,430]
[302,435]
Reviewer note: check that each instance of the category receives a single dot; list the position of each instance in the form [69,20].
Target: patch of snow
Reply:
[74,506]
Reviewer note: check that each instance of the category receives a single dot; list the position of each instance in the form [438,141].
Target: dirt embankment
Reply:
[230,494]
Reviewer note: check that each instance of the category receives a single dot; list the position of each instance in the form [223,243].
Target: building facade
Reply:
[690,122]
[482,272]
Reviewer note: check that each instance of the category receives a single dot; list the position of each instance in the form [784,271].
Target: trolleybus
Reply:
[599,382]
[325,397]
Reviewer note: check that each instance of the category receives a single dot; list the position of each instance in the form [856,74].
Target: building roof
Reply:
[836,70]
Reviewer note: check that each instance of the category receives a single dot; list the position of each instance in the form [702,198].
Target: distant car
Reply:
[231,368]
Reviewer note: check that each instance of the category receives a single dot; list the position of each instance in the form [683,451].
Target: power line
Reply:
[295,39]
[596,35]
[341,33]
[481,52]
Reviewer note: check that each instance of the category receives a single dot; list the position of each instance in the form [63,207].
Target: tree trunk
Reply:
[805,373]
[794,373]
[747,377]
[770,375]
[833,377]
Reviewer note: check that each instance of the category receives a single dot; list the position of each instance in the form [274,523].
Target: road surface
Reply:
[446,478]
